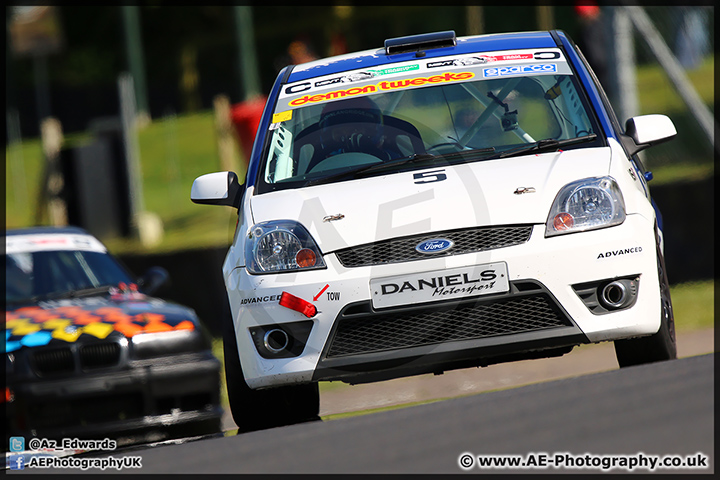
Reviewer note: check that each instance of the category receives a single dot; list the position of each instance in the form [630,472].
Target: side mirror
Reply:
[154,278]
[219,188]
[647,130]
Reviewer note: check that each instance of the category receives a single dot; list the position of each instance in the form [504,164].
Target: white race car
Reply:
[443,213]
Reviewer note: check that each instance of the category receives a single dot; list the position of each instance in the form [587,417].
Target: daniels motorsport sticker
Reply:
[452,284]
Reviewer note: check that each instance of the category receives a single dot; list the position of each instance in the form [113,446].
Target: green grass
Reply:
[657,95]
[337,416]
[689,156]
[173,152]
[693,304]
[22,176]
[682,172]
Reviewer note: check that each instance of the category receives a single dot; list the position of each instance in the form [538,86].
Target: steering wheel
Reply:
[342,160]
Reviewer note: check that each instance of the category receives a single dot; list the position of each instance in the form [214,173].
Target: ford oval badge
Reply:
[434,245]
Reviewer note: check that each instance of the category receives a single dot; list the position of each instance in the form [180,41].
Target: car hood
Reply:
[516,190]
[93,318]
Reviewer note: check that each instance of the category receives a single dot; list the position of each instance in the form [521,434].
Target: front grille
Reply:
[53,362]
[63,360]
[377,332]
[99,355]
[402,249]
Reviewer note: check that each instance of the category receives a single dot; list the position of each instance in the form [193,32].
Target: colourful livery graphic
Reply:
[35,326]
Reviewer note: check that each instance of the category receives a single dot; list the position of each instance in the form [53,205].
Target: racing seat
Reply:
[402,136]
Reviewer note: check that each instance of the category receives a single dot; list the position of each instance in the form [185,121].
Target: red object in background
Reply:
[245,118]
[587,9]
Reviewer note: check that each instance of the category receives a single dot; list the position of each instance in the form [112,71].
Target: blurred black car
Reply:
[89,354]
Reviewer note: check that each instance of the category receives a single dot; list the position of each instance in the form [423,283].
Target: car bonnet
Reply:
[518,190]
[92,318]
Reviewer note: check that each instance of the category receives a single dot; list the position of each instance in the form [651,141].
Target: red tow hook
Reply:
[298,304]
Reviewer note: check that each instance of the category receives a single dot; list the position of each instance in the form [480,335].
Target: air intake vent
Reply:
[53,362]
[415,43]
[99,355]
[402,249]
[473,319]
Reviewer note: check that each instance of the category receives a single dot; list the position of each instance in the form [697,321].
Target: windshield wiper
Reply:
[372,167]
[468,154]
[546,145]
[82,292]
[85,292]
[414,158]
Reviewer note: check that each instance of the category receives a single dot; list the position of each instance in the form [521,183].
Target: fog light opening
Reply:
[618,294]
[614,294]
[276,340]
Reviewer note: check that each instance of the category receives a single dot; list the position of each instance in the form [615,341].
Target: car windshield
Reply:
[43,274]
[467,111]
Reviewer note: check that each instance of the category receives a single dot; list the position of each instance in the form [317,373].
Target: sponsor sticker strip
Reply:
[382,86]
[308,92]
[52,241]
[451,284]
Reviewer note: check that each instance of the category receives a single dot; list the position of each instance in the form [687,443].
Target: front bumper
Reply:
[526,322]
[542,273]
[170,396]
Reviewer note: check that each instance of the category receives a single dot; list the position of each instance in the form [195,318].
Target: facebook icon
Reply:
[17,462]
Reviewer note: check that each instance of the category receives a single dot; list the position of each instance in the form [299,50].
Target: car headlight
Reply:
[281,246]
[586,205]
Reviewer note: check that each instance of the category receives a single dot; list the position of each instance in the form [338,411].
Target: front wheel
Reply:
[267,408]
[661,345]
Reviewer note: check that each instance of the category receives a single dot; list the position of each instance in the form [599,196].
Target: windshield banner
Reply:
[416,74]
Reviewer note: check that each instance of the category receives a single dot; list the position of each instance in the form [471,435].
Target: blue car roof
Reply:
[376,57]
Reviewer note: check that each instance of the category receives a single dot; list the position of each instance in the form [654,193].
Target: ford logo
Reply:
[435,245]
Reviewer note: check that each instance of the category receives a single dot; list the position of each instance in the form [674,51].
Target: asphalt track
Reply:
[659,409]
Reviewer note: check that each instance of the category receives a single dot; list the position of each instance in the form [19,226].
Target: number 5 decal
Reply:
[429,177]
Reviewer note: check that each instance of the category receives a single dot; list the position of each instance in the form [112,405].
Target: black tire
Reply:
[260,409]
[660,346]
